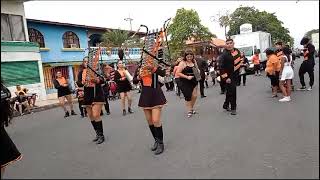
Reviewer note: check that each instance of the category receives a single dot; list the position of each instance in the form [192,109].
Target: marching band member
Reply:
[93,99]
[151,101]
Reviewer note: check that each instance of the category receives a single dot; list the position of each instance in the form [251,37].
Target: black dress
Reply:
[8,151]
[122,85]
[152,96]
[92,95]
[187,86]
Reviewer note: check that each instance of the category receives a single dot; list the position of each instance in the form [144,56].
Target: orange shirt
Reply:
[62,81]
[255,59]
[273,64]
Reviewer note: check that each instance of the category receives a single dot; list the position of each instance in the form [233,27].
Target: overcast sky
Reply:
[299,17]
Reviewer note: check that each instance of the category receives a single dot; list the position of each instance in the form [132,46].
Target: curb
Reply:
[42,108]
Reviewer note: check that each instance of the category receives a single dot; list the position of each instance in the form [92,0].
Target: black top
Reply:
[228,63]
[310,55]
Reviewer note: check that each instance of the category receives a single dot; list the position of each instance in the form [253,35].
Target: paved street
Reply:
[267,139]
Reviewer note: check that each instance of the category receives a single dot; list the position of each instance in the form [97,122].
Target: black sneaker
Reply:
[233,112]
[303,88]
[66,114]
[73,113]
[130,110]
[124,112]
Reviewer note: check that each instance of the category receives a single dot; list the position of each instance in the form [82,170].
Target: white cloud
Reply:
[297,17]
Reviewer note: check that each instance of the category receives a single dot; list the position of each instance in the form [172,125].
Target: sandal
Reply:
[190,114]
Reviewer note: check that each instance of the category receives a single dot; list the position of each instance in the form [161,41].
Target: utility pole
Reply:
[129,19]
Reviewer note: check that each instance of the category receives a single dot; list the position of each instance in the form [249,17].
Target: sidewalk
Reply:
[42,105]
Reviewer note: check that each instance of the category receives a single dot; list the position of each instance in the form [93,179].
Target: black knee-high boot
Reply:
[152,129]
[100,132]
[159,136]
[94,124]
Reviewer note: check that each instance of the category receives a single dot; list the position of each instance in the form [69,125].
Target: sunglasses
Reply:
[189,54]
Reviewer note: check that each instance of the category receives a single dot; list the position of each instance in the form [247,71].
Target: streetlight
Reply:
[129,19]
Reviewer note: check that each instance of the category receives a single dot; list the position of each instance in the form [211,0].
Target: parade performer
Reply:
[94,97]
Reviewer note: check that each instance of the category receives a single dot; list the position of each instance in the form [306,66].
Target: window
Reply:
[70,40]
[12,28]
[36,36]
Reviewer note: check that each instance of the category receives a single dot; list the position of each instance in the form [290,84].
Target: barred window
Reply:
[36,36]
[70,40]
[12,28]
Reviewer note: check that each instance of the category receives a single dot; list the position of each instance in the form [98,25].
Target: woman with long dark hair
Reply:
[123,87]
[93,99]
[8,151]
[151,101]
[189,83]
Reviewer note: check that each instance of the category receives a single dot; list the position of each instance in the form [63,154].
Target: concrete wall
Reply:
[16,8]
[52,35]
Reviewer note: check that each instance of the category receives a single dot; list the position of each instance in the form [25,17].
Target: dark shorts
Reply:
[93,95]
[256,67]
[64,91]
[274,79]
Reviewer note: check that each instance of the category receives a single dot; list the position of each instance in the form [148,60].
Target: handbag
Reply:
[196,72]
[242,70]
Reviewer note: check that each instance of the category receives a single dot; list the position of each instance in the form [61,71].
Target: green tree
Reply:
[186,24]
[114,38]
[309,33]
[261,21]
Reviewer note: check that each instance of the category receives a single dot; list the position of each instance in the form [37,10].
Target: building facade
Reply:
[20,59]
[63,46]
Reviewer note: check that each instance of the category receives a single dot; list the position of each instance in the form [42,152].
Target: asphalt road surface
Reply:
[267,139]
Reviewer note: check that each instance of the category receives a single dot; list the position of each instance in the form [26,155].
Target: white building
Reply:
[315,40]
[20,59]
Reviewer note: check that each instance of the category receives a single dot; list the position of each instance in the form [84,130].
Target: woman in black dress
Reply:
[123,87]
[62,85]
[188,81]
[93,99]
[8,151]
[151,101]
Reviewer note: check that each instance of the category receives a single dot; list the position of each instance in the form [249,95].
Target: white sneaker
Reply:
[309,89]
[285,99]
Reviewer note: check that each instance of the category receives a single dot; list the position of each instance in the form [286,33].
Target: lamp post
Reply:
[129,19]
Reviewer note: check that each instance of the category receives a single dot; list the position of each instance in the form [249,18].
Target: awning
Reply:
[55,64]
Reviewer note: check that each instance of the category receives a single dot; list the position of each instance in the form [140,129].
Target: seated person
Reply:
[22,103]
[30,96]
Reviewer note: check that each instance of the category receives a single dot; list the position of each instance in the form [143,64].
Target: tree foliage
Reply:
[186,24]
[309,33]
[114,38]
[261,21]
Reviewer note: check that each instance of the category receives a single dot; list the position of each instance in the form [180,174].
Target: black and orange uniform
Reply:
[93,92]
[122,85]
[307,66]
[8,151]
[62,90]
[152,97]
[231,63]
